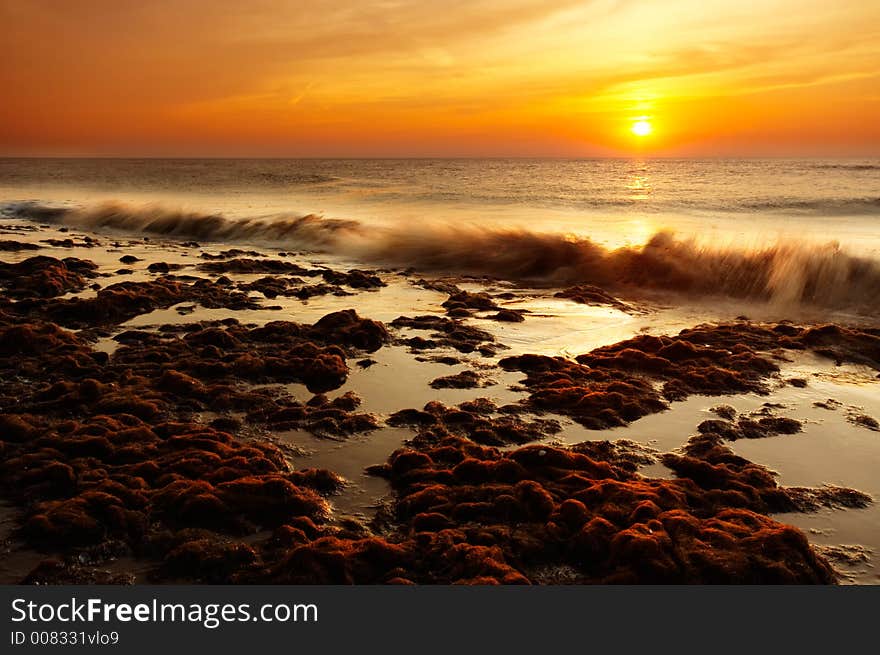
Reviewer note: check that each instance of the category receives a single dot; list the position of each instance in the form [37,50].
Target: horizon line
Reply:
[427,157]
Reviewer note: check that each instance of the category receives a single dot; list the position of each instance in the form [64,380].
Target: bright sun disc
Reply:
[641,128]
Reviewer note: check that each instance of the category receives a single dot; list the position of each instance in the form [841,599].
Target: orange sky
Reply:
[444,78]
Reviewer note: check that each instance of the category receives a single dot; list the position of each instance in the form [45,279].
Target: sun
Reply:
[641,128]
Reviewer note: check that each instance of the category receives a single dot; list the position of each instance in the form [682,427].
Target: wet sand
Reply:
[174,411]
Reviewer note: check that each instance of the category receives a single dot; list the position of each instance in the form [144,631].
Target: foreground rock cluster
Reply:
[616,384]
[107,455]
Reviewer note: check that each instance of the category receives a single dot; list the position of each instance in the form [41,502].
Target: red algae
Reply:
[464,380]
[588,294]
[447,332]
[96,454]
[475,420]
[115,477]
[105,455]
[474,514]
[45,277]
[7,245]
[616,384]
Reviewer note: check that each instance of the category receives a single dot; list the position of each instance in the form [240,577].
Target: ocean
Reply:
[613,201]
[792,231]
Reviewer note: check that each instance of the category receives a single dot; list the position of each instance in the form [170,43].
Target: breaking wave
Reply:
[822,207]
[309,231]
[788,273]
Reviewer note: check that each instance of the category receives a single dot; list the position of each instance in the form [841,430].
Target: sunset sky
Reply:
[443,78]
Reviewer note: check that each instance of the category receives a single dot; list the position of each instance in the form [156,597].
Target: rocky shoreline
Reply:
[108,457]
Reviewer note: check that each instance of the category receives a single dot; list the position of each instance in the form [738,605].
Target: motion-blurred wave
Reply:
[787,273]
